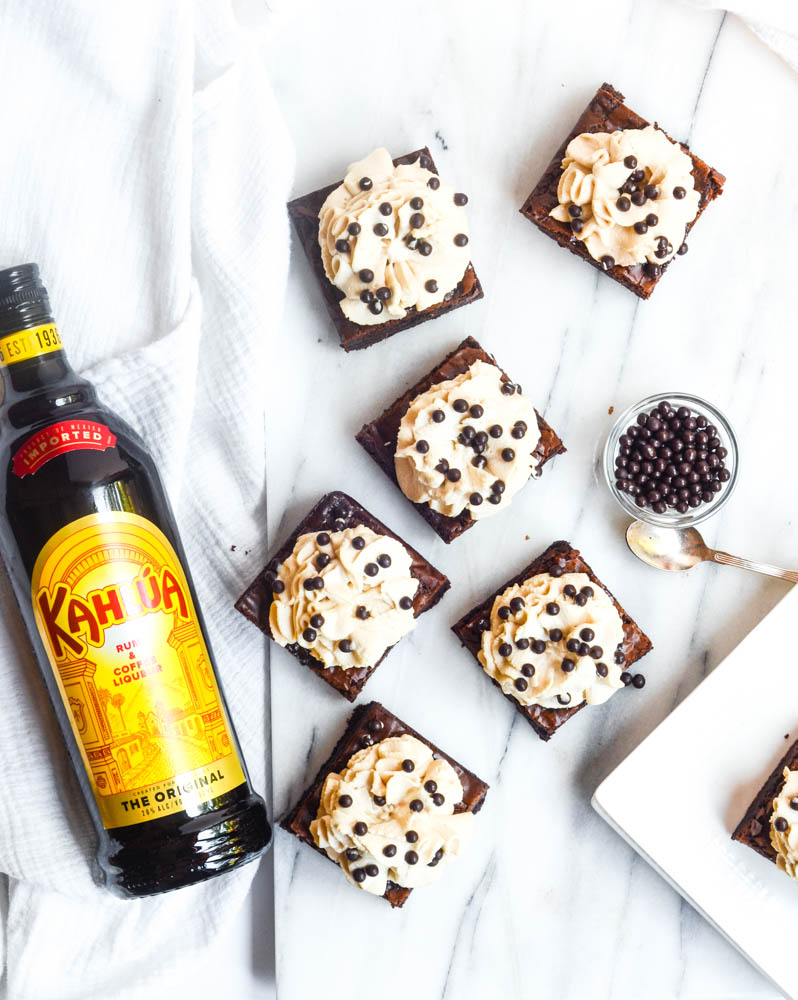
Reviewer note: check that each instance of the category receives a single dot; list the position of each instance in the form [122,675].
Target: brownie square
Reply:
[753,829]
[380,436]
[563,558]
[335,512]
[358,734]
[607,113]
[304,213]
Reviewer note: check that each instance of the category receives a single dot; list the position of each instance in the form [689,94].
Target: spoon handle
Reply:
[756,567]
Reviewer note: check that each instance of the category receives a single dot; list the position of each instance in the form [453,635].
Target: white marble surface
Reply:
[548,902]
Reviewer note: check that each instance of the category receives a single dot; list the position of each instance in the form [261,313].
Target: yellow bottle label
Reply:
[115,614]
[27,344]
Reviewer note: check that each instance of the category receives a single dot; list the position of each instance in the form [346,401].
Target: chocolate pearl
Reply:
[323,538]
[794,803]
[378,800]
[476,410]
[408,765]
[641,228]
[638,681]
[353,228]
[358,543]
[431,285]
[619,656]
[422,447]
[651,192]
[596,652]
[468,433]
[623,204]
[637,176]
[371,569]
[576,225]
[344,801]
[322,559]
[607,262]
[365,275]
[346,645]
[555,634]
[384,294]
[568,665]
[314,583]
[317,621]
[453,475]
[581,600]
[342,246]
[507,388]
[438,799]
[416,805]
[495,431]
[475,499]
[416,203]
[483,625]
[438,416]
[505,649]
[366,183]
[508,454]
[376,726]
[380,229]
[602,669]
[682,250]
[538,646]
[430,786]
[520,684]
[587,634]
[575,211]
[630,162]
[384,560]
[460,240]
[573,645]
[651,219]
[385,208]
[626,678]
[679,192]
[405,603]
[638,198]
[460,406]
[528,670]
[479,461]
[516,604]
[564,699]
[411,836]
[460,199]
[309,635]
[372,870]
[552,608]
[569,590]
[417,220]
[359,874]
[434,183]
[424,248]
[360,829]
[352,854]
[781,824]
[498,486]
[584,649]
[411,857]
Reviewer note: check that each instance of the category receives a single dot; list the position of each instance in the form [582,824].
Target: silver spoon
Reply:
[683,548]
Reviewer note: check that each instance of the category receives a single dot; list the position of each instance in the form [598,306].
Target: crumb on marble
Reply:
[611,410]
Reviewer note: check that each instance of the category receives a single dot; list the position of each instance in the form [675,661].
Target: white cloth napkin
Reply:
[774,21]
[144,165]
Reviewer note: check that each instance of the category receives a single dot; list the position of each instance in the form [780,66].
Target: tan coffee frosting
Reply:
[344,595]
[552,642]
[784,824]
[439,461]
[598,165]
[397,236]
[390,815]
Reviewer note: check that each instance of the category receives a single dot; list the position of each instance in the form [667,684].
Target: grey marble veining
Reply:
[548,902]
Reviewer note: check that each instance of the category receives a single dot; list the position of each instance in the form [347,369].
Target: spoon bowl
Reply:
[667,548]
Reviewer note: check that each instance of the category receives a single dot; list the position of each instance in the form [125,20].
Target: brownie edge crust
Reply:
[753,830]
[339,509]
[563,557]
[606,112]
[363,721]
[304,213]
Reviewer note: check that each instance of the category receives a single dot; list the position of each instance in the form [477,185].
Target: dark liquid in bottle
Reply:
[99,572]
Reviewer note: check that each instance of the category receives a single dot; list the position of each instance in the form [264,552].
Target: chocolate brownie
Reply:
[607,113]
[304,213]
[753,829]
[380,436]
[335,512]
[560,557]
[364,721]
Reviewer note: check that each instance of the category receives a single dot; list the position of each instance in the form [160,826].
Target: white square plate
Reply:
[677,798]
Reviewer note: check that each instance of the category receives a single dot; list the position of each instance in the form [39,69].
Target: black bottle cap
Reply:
[23,299]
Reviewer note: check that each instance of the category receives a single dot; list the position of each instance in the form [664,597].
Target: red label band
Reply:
[69,435]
